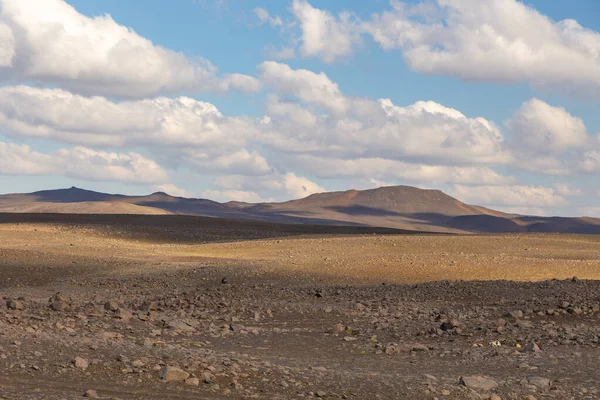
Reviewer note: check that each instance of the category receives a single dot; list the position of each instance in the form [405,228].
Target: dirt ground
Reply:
[193,308]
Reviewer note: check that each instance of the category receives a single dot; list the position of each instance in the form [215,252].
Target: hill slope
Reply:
[403,207]
[399,207]
[83,207]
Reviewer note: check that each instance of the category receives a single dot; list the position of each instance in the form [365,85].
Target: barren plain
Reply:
[174,307]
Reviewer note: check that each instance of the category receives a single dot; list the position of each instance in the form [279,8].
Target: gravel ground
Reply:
[168,311]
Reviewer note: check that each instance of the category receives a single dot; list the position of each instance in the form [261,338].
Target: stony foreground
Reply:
[90,313]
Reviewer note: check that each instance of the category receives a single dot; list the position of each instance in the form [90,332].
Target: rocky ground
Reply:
[89,311]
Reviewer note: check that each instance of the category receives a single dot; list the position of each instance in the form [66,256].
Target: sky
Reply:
[494,102]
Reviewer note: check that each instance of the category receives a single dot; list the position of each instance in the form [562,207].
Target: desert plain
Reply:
[180,307]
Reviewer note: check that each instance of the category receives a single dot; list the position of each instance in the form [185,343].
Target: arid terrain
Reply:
[179,307]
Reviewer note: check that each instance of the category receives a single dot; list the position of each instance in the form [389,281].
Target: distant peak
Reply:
[76,189]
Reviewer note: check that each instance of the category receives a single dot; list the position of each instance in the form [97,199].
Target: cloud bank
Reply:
[50,42]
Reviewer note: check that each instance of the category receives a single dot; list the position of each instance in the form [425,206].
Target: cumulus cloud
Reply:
[380,169]
[509,195]
[299,186]
[424,132]
[178,132]
[232,195]
[310,87]
[316,130]
[81,163]
[324,35]
[265,18]
[241,161]
[272,183]
[549,140]
[50,42]
[196,129]
[590,162]
[540,127]
[275,186]
[495,40]
[568,190]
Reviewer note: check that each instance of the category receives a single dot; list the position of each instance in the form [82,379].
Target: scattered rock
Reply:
[59,302]
[124,315]
[192,381]
[81,363]
[92,394]
[517,314]
[14,305]
[173,374]
[207,378]
[532,347]
[478,382]
[449,325]
[539,381]
[338,328]
[111,305]
[180,325]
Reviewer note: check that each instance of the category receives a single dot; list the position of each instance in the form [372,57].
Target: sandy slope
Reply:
[88,207]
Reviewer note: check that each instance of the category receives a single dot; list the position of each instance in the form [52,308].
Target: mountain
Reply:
[399,207]
[402,207]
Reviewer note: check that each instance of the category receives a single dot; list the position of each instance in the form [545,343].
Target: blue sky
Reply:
[494,102]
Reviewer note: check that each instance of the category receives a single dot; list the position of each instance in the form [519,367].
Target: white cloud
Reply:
[59,115]
[542,128]
[232,195]
[241,161]
[280,186]
[508,195]
[493,40]
[272,183]
[308,86]
[324,35]
[265,18]
[290,111]
[549,140]
[81,163]
[376,169]
[49,41]
[350,138]
[591,212]
[590,162]
[298,186]
[424,132]
[21,160]
[568,190]
[7,46]
[178,132]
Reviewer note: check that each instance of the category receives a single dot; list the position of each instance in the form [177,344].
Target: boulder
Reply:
[173,374]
